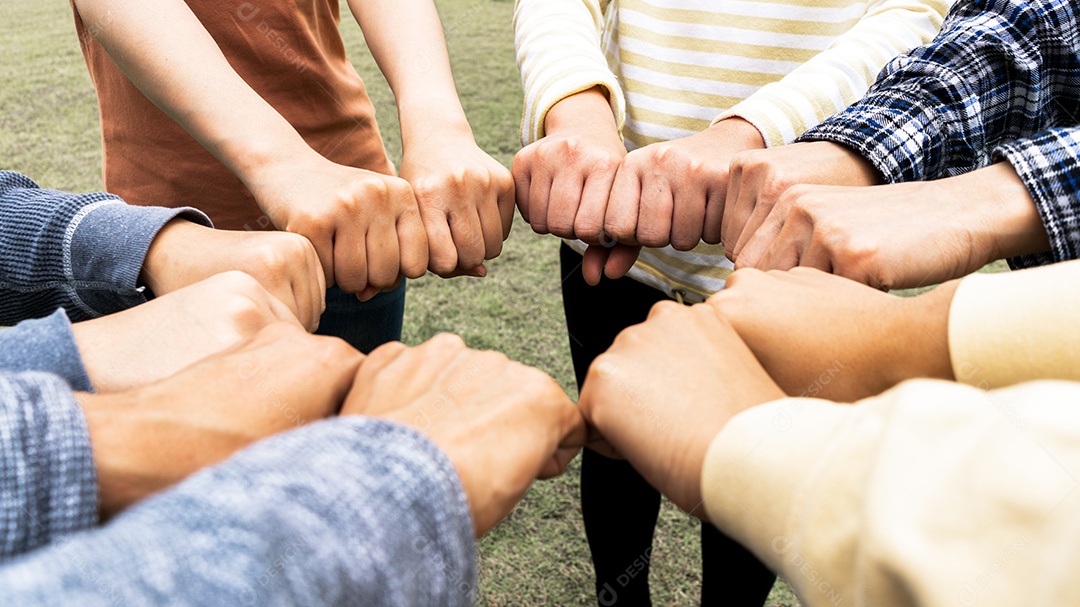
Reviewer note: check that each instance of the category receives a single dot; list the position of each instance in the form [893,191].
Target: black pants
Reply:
[619,507]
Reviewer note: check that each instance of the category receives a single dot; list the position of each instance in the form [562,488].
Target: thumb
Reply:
[621,260]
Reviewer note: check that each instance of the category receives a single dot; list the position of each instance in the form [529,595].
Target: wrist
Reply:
[586,111]
[921,327]
[738,131]
[428,118]
[113,442]
[1012,224]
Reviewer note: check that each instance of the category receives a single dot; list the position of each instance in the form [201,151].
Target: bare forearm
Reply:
[167,53]
[406,39]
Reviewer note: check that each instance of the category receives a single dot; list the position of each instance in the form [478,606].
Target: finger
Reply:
[350,258]
[491,221]
[507,197]
[384,265]
[282,312]
[621,216]
[563,203]
[468,237]
[412,239]
[655,211]
[729,231]
[324,250]
[620,260]
[318,292]
[359,400]
[589,223]
[522,173]
[592,264]
[815,255]
[714,215]
[785,251]
[539,195]
[761,241]
[442,254]
[756,216]
[688,217]
[574,435]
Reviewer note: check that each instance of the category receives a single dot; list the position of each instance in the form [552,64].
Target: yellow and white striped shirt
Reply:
[673,67]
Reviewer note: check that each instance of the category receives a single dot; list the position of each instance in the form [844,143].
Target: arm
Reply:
[49,488]
[80,252]
[354,511]
[835,78]
[997,72]
[574,112]
[930,494]
[364,226]
[844,341]
[910,498]
[93,255]
[466,197]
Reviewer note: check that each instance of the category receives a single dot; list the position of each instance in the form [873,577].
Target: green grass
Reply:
[538,556]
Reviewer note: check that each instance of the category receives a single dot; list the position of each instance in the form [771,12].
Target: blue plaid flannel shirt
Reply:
[1000,82]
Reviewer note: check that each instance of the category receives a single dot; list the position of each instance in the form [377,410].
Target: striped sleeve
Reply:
[838,76]
[559,53]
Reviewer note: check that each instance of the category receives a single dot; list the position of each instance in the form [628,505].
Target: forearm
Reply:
[559,54]
[858,495]
[167,53]
[839,75]
[940,109]
[406,39]
[346,512]
[81,252]
[49,486]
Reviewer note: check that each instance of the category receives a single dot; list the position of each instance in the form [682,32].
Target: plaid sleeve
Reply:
[999,70]
[1049,165]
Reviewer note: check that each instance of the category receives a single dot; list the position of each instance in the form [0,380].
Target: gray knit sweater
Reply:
[350,511]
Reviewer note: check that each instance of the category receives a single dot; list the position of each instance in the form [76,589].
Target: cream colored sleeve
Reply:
[934,493]
[1015,327]
[841,74]
[559,53]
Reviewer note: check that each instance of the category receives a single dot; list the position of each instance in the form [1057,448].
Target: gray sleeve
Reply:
[48,485]
[81,252]
[47,345]
[350,511]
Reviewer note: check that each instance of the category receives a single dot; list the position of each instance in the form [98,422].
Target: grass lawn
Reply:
[49,131]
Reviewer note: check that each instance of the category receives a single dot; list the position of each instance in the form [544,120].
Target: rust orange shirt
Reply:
[291,53]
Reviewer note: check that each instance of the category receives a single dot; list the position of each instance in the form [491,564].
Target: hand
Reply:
[759,178]
[500,423]
[906,234]
[674,192]
[148,439]
[148,343]
[466,200]
[184,253]
[365,227]
[666,388]
[564,179]
[823,336]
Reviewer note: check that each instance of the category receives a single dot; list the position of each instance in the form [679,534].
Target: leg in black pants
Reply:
[618,506]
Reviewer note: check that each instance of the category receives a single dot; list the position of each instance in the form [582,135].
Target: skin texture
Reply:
[901,235]
[823,336]
[466,198]
[759,178]
[286,265]
[151,342]
[148,439]
[659,407]
[367,228]
[500,423]
[579,182]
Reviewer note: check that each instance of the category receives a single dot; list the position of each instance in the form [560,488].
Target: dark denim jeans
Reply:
[365,325]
